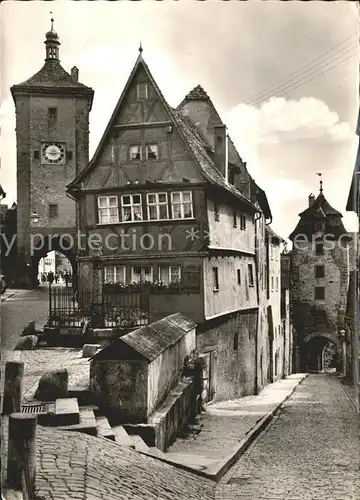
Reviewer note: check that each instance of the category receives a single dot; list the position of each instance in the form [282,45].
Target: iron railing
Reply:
[108,309]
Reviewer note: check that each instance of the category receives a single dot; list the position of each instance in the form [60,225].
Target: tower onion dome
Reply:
[51,35]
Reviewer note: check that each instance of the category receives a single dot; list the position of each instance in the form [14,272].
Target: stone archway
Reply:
[49,245]
[313,350]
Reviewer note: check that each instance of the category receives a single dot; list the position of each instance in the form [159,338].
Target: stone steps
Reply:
[67,411]
[155,452]
[87,423]
[103,428]
[122,437]
[140,444]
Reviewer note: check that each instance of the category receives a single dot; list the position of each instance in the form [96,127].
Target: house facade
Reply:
[167,200]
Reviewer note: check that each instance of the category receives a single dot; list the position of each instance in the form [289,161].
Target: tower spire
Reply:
[52,43]
[321,182]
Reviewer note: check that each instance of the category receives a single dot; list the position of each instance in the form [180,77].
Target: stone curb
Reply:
[4,299]
[217,471]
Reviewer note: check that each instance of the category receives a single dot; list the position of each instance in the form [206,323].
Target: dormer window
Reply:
[142,91]
[152,152]
[135,152]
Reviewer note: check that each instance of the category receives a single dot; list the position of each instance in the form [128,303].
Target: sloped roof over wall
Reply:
[274,235]
[148,341]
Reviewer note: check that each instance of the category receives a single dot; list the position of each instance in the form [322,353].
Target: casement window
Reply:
[108,210]
[216,212]
[272,283]
[135,152]
[242,221]
[114,274]
[131,207]
[141,274]
[157,206]
[319,271]
[319,293]
[181,205]
[238,276]
[319,248]
[215,273]
[277,282]
[142,91]
[251,275]
[152,152]
[53,211]
[234,218]
[169,274]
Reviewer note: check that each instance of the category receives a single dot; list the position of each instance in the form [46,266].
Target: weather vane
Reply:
[321,182]
[52,21]
[140,48]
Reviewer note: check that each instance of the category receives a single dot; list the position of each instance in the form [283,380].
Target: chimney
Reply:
[75,73]
[311,199]
[221,150]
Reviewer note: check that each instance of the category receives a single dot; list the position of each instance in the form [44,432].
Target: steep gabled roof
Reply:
[261,198]
[196,94]
[320,203]
[194,143]
[199,149]
[320,209]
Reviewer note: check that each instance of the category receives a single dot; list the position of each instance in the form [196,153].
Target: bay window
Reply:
[157,206]
[181,205]
[108,210]
[131,207]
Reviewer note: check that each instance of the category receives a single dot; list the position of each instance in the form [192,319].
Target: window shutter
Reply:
[190,279]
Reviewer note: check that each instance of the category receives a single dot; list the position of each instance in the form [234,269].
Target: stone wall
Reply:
[233,337]
[165,370]
[120,388]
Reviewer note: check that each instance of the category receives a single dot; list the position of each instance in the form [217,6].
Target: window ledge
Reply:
[216,289]
[147,221]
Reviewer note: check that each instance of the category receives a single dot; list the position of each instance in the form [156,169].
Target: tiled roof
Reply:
[150,341]
[269,230]
[77,465]
[199,150]
[197,94]
[320,202]
[52,74]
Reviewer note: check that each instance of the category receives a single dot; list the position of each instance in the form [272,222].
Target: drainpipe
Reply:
[257,268]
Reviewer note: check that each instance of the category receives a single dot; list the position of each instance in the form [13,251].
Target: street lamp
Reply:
[34,217]
[342,334]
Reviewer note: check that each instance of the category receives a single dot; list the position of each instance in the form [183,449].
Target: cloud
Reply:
[277,118]
[285,142]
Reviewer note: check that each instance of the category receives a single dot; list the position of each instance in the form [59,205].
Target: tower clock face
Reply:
[53,152]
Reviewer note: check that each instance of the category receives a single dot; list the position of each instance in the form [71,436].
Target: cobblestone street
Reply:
[310,451]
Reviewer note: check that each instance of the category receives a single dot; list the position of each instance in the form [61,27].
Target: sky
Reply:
[284,77]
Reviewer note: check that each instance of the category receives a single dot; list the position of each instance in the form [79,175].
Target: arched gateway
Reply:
[321,351]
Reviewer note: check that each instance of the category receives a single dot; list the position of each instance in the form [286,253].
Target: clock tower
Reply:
[52,141]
